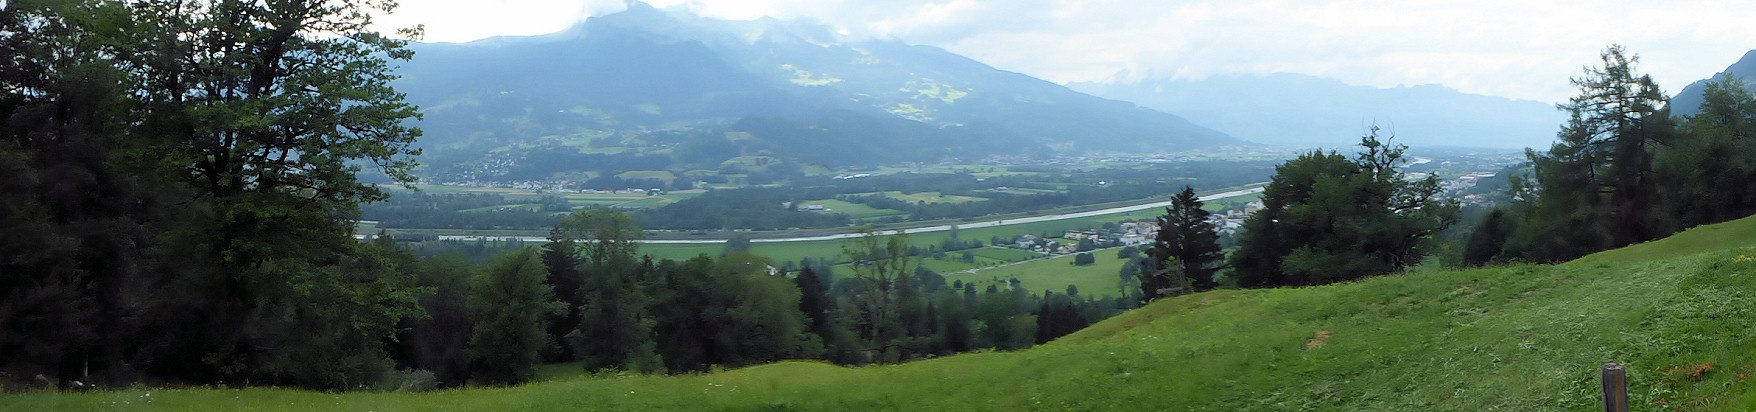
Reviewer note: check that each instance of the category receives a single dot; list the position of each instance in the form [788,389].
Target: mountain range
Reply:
[1688,101]
[1303,110]
[665,89]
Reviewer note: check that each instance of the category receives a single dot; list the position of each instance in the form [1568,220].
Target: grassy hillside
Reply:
[1680,312]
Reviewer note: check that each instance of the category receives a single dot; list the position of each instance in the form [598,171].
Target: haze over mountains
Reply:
[1299,110]
[649,89]
[663,83]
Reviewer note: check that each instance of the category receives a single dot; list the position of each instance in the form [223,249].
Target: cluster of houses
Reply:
[1125,234]
[1454,188]
[1228,222]
[1231,221]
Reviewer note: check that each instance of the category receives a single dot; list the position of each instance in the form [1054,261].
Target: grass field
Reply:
[855,211]
[1055,273]
[1678,312]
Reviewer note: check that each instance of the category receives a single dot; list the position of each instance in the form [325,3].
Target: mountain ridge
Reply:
[1298,109]
[612,81]
[1688,101]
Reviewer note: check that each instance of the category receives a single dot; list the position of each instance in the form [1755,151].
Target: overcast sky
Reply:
[1514,48]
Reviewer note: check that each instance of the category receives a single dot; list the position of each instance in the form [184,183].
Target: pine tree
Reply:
[1597,188]
[1187,243]
[561,259]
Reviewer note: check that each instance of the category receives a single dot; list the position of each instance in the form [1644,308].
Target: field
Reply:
[793,251]
[855,211]
[1678,312]
[1055,273]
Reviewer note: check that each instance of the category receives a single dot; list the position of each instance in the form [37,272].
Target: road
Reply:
[927,229]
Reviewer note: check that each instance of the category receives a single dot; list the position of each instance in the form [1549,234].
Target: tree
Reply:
[1709,171]
[882,262]
[1187,240]
[439,343]
[256,114]
[1084,258]
[509,301]
[737,243]
[566,280]
[1488,239]
[73,220]
[1596,185]
[615,329]
[814,303]
[1058,316]
[1327,219]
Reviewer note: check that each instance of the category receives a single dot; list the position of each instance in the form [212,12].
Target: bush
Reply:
[1084,258]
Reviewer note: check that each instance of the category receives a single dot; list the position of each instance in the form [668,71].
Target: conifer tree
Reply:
[1596,185]
[1187,245]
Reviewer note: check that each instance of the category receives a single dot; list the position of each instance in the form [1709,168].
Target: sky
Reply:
[1523,49]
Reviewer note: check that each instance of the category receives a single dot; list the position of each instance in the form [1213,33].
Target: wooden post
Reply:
[1615,388]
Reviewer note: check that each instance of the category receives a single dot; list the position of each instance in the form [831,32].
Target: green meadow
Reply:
[1678,312]
[1055,273]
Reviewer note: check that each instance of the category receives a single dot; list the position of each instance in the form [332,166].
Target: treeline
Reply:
[409,209]
[586,297]
[1626,171]
[756,208]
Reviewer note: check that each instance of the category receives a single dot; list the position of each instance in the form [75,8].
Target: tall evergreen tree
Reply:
[1188,241]
[1597,188]
[561,258]
[814,303]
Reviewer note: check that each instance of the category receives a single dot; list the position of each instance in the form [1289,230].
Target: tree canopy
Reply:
[1327,218]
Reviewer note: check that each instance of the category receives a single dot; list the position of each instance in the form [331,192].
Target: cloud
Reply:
[1513,48]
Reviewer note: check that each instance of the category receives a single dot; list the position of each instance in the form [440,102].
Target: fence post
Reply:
[1615,388]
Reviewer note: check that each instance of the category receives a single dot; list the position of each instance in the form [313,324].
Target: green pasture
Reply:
[1055,273]
[855,211]
[1677,312]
